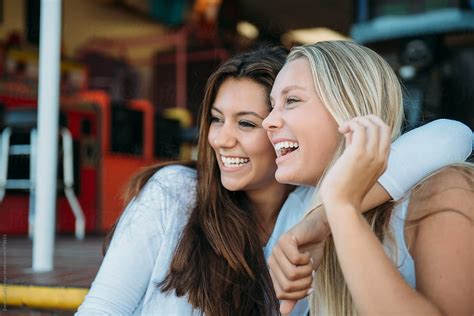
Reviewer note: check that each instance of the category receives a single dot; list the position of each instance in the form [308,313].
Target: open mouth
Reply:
[234,162]
[284,148]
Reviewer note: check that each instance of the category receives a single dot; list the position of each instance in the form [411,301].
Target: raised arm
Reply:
[418,153]
[413,156]
[441,246]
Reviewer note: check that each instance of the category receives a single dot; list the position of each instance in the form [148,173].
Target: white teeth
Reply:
[281,145]
[234,162]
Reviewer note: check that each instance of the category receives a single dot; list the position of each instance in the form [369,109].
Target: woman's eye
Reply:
[215,119]
[247,124]
[290,100]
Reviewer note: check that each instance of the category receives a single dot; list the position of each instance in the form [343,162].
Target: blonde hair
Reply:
[351,80]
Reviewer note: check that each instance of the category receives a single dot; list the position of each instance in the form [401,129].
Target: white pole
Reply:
[47,148]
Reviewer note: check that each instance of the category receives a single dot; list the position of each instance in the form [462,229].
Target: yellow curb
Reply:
[42,297]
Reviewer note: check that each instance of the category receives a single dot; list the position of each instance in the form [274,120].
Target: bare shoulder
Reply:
[444,202]
[439,232]
[450,190]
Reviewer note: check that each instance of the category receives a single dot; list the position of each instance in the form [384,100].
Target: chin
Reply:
[288,177]
[230,186]
[283,177]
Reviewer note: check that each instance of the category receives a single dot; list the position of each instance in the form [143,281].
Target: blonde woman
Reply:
[340,104]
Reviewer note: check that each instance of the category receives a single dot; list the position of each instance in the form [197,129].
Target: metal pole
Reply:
[48,108]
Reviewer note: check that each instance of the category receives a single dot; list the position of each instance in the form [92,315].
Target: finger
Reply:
[289,247]
[358,135]
[285,295]
[287,289]
[373,134]
[276,286]
[295,284]
[291,272]
[348,137]
[346,131]
[377,120]
[385,135]
[344,128]
[293,296]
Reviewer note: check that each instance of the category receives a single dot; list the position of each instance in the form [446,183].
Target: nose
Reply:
[273,121]
[223,137]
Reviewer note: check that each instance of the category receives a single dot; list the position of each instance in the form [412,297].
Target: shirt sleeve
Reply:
[423,150]
[126,270]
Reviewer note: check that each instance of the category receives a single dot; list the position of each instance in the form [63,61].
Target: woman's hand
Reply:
[294,258]
[363,161]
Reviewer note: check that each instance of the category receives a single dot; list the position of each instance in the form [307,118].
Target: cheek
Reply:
[322,141]
[296,120]
[260,147]
[321,149]
[266,149]
[319,145]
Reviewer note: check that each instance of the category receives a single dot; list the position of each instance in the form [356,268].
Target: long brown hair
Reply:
[218,262]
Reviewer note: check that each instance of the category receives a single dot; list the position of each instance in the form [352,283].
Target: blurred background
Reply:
[133,74]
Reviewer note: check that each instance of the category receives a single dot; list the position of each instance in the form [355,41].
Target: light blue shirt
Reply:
[397,248]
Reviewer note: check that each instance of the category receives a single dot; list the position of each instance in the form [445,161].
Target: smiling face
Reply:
[245,156]
[303,132]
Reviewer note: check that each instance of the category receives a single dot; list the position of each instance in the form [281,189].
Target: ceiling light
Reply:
[247,30]
[311,36]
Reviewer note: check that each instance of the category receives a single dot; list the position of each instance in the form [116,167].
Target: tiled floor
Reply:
[75,262]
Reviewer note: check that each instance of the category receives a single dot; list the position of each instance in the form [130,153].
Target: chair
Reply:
[19,122]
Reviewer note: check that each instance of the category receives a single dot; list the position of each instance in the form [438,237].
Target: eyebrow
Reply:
[241,113]
[286,90]
[289,88]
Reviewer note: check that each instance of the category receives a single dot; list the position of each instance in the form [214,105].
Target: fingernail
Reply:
[313,273]
[311,290]
[311,259]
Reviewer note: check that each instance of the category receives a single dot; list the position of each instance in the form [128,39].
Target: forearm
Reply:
[376,197]
[449,142]
[374,283]
[423,150]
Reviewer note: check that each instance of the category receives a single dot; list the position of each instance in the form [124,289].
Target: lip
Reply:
[279,140]
[282,159]
[229,156]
